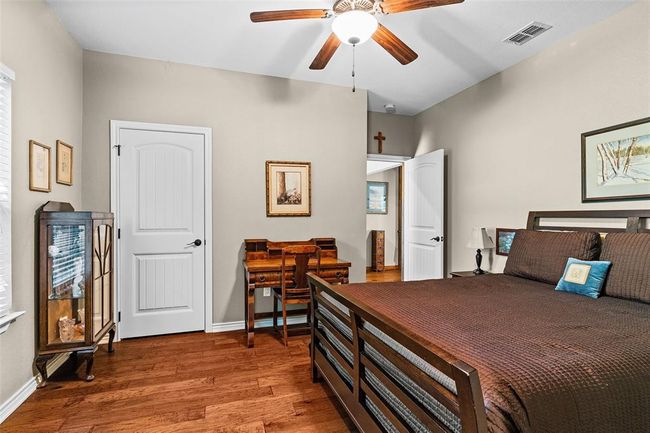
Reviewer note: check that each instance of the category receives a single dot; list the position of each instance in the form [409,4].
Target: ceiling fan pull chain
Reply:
[354,85]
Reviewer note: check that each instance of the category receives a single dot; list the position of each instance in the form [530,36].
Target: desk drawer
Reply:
[272,279]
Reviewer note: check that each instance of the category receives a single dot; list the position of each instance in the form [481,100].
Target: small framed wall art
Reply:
[616,162]
[504,241]
[377,198]
[39,166]
[63,163]
[288,188]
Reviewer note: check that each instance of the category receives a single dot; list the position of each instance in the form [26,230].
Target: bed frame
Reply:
[467,402]
[634,220]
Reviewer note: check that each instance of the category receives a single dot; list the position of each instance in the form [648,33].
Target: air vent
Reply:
[527,33]
[519,38]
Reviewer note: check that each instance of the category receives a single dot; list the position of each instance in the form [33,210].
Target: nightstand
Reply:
[461,274]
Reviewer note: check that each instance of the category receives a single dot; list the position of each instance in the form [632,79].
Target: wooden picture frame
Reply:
[504,239]
[288,189]
[39,167]
[64,163]
[615,162]
[376,198]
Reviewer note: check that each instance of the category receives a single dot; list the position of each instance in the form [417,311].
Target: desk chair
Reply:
[294,290]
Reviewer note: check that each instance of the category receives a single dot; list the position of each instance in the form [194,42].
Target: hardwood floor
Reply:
[193,382]
[385,276]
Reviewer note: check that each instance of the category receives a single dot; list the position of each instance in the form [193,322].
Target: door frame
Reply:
[115,127]
[400,192]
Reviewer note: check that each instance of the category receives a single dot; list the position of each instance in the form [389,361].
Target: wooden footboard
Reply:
[387,378]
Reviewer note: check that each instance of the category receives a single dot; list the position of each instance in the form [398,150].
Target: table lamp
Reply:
[481,241]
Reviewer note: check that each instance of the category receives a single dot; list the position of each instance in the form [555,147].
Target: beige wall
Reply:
[253,119]
[47,105]
[387,222]
[398,131]
[513,140]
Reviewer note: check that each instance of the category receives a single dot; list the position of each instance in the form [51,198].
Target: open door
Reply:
[424,217]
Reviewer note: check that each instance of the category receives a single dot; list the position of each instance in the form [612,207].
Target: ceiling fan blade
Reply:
[394,45]
[396,6]
[326,53]
[296,14]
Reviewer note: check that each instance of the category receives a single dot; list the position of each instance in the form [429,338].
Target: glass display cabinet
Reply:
[75,278]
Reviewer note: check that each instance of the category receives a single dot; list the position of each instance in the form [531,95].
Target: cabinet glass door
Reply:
[102,276]
[66,274]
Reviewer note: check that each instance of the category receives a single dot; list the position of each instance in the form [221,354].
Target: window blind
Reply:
[5,190]
[68,253]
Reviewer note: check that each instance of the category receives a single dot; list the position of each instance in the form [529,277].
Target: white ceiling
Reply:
[374,166]
[458,45]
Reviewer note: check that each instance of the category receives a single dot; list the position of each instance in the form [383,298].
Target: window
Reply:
[6,79]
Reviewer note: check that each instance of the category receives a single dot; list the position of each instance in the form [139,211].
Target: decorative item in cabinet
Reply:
[75,279]
[378,240]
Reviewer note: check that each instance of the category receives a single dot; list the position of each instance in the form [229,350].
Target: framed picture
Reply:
[377,198]
[39,167]
[616,162]
[63,163]
[504,241]
[288,188]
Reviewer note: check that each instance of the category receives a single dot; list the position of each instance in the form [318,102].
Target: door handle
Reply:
[195,242]
[437,238]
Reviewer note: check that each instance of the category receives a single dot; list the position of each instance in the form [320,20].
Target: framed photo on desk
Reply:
[504,241]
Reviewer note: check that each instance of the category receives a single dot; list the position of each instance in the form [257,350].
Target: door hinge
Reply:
[119,233]
[119,149]
[119,316]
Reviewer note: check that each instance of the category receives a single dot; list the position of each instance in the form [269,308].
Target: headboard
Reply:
[635,220]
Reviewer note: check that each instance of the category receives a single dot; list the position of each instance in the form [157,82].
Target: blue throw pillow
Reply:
[583,277]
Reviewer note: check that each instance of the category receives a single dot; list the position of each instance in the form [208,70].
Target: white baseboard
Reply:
[13,402]
[228,326]
[261,323]
[19,397]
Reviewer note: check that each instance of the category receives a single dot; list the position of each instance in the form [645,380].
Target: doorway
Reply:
[161,197]
[405,217]
[383,218]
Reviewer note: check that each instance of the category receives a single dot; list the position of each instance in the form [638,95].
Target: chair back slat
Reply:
[301,255]
[300,273]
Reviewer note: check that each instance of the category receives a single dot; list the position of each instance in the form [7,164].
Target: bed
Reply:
[498,353]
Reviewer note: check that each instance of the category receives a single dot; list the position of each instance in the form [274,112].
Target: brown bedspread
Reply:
[548,361]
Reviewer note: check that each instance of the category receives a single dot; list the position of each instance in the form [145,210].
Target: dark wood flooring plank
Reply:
[193,382]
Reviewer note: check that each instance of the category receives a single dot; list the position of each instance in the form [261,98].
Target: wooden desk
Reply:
[262,265]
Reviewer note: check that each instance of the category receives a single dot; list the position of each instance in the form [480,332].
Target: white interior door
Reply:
[424,213]
[162,231]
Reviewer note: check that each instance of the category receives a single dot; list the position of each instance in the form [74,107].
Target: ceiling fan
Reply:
[355,21]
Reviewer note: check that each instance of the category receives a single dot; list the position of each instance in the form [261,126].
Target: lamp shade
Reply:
[480,239]
[354,27]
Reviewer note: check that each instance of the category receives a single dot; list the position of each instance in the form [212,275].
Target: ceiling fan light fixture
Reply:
[354,27]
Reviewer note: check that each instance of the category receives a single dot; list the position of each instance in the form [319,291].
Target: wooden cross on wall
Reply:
[380,141]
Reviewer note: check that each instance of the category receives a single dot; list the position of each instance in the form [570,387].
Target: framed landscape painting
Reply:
[288,188]
[377,198]
[616,162]
[504,241]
